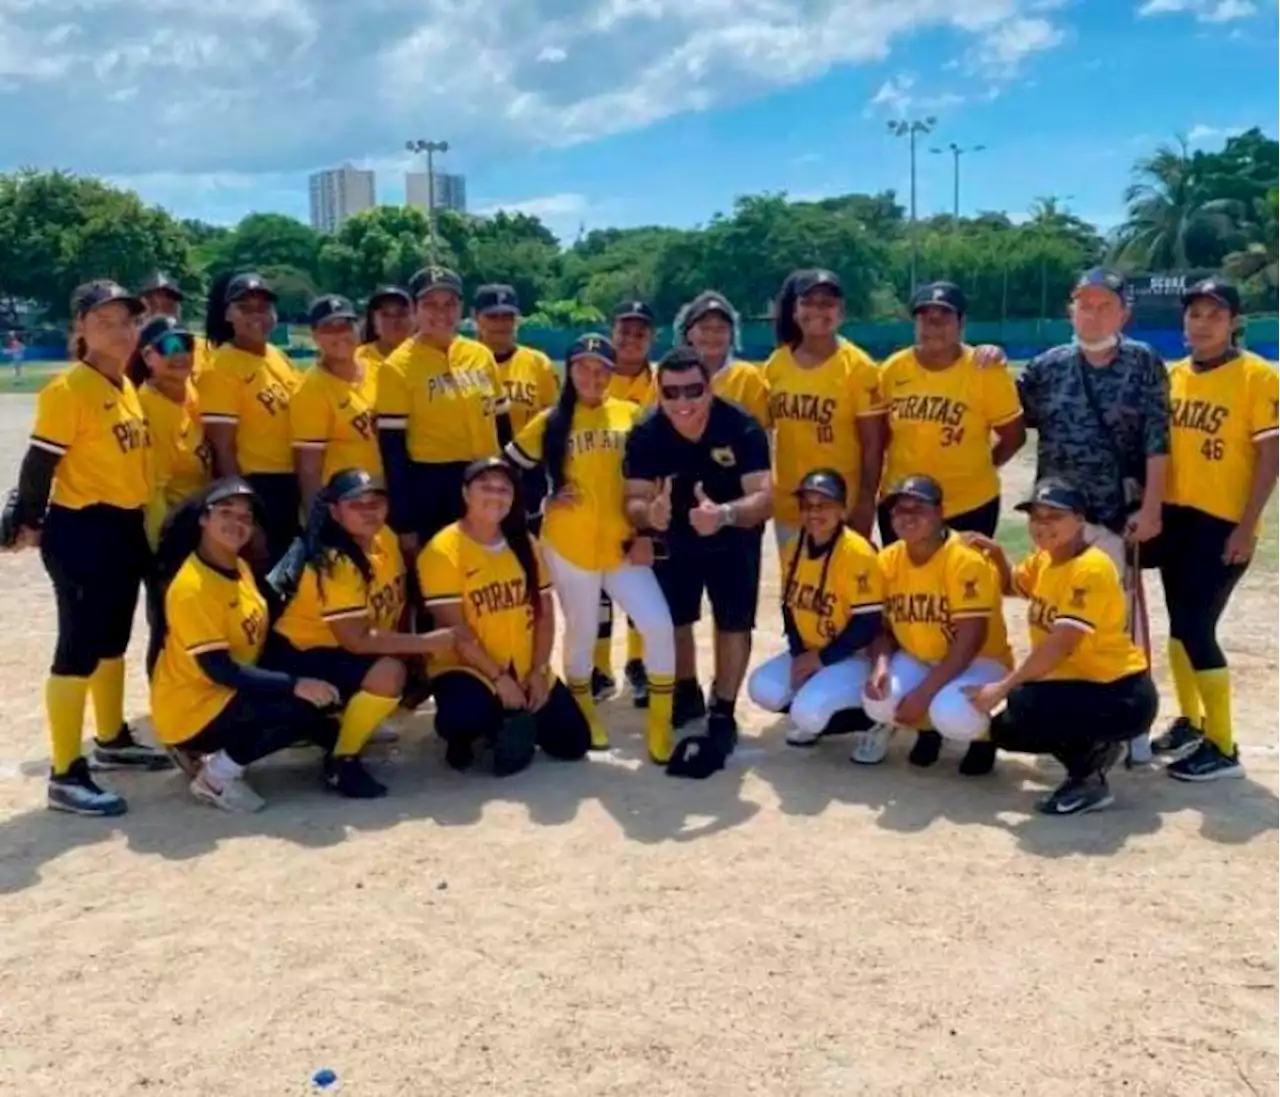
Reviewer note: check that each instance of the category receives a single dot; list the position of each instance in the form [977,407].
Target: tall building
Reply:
[451,191]
[337,194]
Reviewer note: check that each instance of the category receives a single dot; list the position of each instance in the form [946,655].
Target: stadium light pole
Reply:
[910,128]
[956,151]
[430,148]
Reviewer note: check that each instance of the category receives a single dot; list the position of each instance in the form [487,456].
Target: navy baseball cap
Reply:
[1054,492]
[945,295]
[496,299]
[389,293]
[331,307]
[348,484]
[633,310]
[923,489]
[160,282]
[434,277]
[103,292]
[247,284]
[827,483]
[488,464]
[159,328]
[1103,279]
[592,346]
[1216,289]
[806,281]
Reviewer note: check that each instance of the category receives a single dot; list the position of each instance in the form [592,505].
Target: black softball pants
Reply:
[468,709]
[983,519]
[254,725]
[1080,723]
[1197,584]
[97,558]
[281,511]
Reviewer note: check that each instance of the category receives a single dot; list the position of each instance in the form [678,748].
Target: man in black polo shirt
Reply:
[697,480]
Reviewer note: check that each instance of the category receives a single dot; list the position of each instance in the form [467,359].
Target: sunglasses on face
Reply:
[695,390]
[174,344]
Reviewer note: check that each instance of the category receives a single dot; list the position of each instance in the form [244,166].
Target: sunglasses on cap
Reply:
[694,390]
[174,343]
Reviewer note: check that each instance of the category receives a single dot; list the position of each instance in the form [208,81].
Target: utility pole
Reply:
[909,128]
[430,148]
[956,152]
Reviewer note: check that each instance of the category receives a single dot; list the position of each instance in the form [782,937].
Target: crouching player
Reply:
[343,618]
[946,633]
[832,609]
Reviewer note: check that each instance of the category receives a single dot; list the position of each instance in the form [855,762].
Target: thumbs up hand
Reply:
[707,517]
[660,506]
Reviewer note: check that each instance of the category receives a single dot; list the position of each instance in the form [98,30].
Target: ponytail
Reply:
[785,329]
[77,347]
[515,530]
[555,440]
[217,327]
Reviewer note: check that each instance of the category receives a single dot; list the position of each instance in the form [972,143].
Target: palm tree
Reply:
[1258,257]
[1170,224]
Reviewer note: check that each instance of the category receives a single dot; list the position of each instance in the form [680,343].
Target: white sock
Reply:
[221,769]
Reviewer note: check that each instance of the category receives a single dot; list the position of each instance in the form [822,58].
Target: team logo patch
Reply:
[864,583]
[970,592]
[723,456]
[1078,596]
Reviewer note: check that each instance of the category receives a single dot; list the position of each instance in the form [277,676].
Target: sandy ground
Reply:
[794,926]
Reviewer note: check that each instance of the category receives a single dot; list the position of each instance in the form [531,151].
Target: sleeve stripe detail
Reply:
[207,646]
[869,607]
[501,406]
[51,447]
[520,457]
[1269,432]
[1008,419]
[970,614]
[1074,622]
[301,443]
[873,412]
[343,614]
[442,599]
[393,422]
[545,588]
[227,420]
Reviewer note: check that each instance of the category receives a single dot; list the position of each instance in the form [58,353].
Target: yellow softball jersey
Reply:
[924,601]
[940,424]
[531,385]
[207,610]
[336,591]
[813,413]
[744,384]
[337,416]
[369,356]
[489,584]
[447,402]
[182,460]
[1085,593]
[251,392]
[589,527]
[201,356]
[825,592]
[1216,416]
[638,387]
[99,432]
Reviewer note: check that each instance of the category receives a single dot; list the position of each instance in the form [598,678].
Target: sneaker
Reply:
[638,680]
[926,750]
[459,753]
[688,704]
[1206,763]
[514,744]
[602,685]
[1077,795]
[871,746]
[188,761]
[803,737]
[76,792]
[850,721]
[234,796]
[979,759]
[1139,753]
[125,752]
[349,778]
[1179,740]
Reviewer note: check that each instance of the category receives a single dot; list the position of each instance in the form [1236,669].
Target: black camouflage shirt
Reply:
[1132,394]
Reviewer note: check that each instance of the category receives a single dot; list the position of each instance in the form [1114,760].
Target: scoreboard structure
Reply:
[1155,300]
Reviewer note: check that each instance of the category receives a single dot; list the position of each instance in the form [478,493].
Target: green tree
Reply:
[379,246]
[268,240]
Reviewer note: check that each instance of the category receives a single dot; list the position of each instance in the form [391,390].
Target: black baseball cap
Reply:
[827,483]
[1103,278]
[158,327]
[232,487]
[331,307]
[1054,492]
[488,464]
[945,295]
[248,283]
[348,484]
[806,281]
[1216,289]
[389,293]
[924,489]
[681,358]
[592,345]
[96,294]
[705,304]
[160,282]
[434,277]
[633,310]
[496,299]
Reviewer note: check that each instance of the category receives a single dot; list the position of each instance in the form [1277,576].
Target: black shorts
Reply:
[730,577]
[436,494]
[344,670]
[984,519]
[281,511]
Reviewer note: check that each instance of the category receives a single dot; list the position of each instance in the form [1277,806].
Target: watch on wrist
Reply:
[728,515]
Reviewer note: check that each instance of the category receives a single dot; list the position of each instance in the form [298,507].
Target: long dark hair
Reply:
[217,327]
[515,531]
[555,440]
[785,329]
[137,370]
[806,543]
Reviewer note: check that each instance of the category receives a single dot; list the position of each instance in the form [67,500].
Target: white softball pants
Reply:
[633,588]
[950,713]
[833,689]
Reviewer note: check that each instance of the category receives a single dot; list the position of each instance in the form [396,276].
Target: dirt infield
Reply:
[794,927]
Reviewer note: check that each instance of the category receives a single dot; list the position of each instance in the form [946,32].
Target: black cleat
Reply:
[125,752]
[926,750]
[979,759]
[688,704]
[1077,795]
[1179,739]
[638,680]
[1206,763]
[348,777]
[602,685]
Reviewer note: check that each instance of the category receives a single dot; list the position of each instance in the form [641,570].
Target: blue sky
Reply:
[626,112]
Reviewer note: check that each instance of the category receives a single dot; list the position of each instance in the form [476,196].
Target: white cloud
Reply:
[897,97]
[552,55]
[549,205]
[1204,11]
[1002,51]
[1200,133]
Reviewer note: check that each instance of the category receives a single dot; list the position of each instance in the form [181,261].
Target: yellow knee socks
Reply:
[658,717]
[106,688]
[64,704]
[1215,693]
[602,656]
[361,717]
[1185,683]
[580,688]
